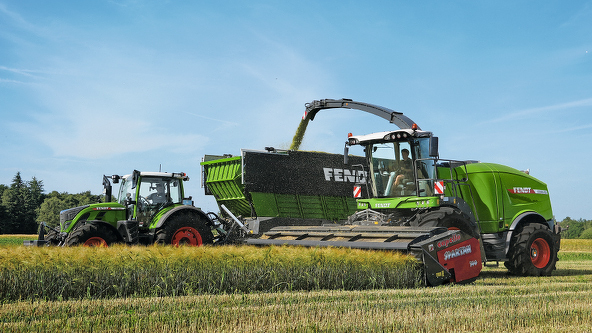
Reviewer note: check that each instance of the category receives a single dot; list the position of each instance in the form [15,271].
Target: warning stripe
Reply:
[439,187]
[357,191]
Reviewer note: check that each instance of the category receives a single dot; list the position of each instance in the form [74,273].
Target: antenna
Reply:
[160,168]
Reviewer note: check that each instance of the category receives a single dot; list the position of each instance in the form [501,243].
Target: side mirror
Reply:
[346,155]
[107,188]
[434,147]
[135,177]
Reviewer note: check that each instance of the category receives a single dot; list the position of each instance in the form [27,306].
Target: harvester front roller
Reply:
[447,255]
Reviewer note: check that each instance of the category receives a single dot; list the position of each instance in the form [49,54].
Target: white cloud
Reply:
[533,111]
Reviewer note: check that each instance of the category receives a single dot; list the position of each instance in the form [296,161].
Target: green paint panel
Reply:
[223,179]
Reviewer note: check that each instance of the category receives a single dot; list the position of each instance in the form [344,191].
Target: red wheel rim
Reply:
[540,253]
[96,241]
[186,236]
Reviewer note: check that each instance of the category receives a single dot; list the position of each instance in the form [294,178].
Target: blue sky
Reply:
[104,87]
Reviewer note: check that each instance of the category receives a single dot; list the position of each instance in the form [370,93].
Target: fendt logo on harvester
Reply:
[345,175]
[526,190]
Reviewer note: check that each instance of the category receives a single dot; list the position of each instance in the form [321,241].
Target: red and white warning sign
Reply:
[439,187]
[357,191]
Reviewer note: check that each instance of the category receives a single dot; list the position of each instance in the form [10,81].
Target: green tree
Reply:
[49,211]
[3,215]
[33,199]
[14,202]
[18,205]
[574,228]
[587,234]
[54,203]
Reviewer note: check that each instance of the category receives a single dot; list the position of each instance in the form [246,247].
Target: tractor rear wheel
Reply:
[446,217]
[184,229]
[91,234]
[532,251]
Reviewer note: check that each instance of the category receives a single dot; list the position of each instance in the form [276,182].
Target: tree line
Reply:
[24,204]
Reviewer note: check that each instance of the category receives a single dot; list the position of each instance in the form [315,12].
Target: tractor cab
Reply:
[401,162]
[145,194]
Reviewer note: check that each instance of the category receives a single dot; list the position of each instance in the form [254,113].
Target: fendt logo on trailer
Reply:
[345,175]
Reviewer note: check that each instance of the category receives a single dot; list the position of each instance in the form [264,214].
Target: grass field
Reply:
[496,302]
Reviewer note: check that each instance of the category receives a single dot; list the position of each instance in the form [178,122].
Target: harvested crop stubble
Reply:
[120,271]
[522,306]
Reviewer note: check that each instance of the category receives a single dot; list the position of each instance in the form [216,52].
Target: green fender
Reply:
[162,218]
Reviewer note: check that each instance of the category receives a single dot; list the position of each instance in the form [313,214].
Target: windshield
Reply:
[157,190]
[395,166]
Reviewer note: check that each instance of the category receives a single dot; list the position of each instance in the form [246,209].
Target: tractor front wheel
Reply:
[184,229]
[52,237]
[532,251]
[91,234]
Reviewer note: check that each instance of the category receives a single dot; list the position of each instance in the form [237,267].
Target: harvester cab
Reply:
[399,162]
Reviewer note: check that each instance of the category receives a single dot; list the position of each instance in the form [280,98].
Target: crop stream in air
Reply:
[299,135]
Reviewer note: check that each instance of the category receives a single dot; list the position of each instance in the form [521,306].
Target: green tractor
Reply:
[151,208]
[409,185]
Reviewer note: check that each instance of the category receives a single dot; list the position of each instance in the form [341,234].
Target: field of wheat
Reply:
[62,273]
[496,302]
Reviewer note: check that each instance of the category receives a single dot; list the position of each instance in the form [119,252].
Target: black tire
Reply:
[52,238]
[185,228]
[532,251]
[447,217]
[91,234]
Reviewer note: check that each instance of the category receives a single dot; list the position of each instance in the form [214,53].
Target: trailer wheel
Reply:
[91,234]
[532,251]
[184,228]
[447,217]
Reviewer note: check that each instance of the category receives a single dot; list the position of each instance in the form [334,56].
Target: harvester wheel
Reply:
[532,251]
[91,234]
[447,217]
[184,229]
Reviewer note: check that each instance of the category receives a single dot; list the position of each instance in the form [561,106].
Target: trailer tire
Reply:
[91,234]
[184,228]
[532,251]
[446,217]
